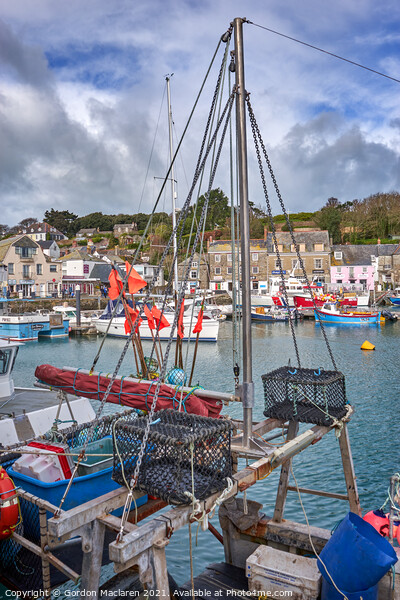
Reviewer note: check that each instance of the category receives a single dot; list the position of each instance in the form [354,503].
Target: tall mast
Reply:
[173,191]
[247,381]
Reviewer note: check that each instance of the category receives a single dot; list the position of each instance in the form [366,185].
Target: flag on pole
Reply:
[134,314]
[135,281]
[199,324]
[180,328]
[159,318]
[115,284]
[150,319]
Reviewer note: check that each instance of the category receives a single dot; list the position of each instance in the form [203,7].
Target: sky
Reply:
[83,115]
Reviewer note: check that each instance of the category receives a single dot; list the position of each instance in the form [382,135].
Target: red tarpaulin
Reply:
[133,394]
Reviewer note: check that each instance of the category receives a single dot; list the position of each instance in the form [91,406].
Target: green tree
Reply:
[218,209]
[27,222]
[330,218]
[62,220]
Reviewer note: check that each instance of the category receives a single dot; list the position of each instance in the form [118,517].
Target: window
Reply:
[339,270]
[318,263]
[217,270]
[193,274]
[294,263]
[351,272]
[277,264]
[25,252]
[292,248]
[229,270]
[365,269]
[254,270]
[25,272]
[302,247]
[254,256]
[86,268]
[280,247]
[194,264]
[318,247]
[53,268]
[11,268]
[338,255]
[229,257]
[39,269]
[217,258]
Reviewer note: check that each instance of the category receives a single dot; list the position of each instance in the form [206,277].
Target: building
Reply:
[199,273]
[29,271]
[77,267]
[314,248]
[387,266]
[353,267]
[222,263]
[42,232]
[50,248]
[86,233]
[122,228]
[148,272]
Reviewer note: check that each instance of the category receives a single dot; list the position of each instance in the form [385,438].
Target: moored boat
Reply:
[330,313]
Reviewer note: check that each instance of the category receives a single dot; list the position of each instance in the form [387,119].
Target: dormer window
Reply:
[338,255]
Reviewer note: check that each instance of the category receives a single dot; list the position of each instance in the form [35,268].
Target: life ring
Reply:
[9,508]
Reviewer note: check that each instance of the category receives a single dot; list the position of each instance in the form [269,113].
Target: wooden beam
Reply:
[284,478]
[292,488]
[91,562]
[349,473]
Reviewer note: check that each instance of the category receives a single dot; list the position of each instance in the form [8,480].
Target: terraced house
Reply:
[29,271]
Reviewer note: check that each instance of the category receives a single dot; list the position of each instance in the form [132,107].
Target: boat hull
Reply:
[347,318]
[209,332]
[25,328]
[395,300]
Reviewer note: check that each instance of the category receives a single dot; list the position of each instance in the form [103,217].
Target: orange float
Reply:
[9,507]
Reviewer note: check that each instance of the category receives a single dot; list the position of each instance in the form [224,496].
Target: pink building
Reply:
[353,266]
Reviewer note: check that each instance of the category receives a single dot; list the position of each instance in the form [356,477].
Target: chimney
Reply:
[74,244]
[265,233]
[379,241]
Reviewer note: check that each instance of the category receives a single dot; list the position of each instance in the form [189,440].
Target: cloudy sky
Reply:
[83,81]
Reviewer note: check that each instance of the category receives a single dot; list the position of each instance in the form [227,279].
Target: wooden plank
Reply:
[86,513]
[349,473]
[284,478]
[292,488]
[114,523]
[91,563]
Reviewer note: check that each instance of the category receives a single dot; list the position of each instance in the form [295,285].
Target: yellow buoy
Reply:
[367,346]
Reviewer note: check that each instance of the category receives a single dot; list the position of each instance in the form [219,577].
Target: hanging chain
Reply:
[258,140]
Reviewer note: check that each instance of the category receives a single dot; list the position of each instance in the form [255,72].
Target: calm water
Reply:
[373,388]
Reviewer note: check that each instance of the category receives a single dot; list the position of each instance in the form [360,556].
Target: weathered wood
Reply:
[159,573]
[43,544]
[292,488]
[348,469]
[70,573]
[91,563]
[86,513]
[284,478]
[114,523]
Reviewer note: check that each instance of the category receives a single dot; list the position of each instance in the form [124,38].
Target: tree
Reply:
[60,219]
[330,218]
[4,229]
[27,222]
[218,209]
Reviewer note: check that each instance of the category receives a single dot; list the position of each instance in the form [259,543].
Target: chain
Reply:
[258,139]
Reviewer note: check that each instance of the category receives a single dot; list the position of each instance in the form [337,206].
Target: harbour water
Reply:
[373,388]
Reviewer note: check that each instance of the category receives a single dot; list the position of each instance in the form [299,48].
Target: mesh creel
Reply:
[304,395]
[166,468]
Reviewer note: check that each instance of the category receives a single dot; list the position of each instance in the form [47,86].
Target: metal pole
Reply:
[173,192]
[78,305]
[248,385]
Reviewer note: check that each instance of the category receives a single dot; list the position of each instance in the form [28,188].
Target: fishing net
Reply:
[304,395]
[182,451]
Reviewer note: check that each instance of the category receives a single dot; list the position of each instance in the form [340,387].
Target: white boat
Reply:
[69,312]
[27,413]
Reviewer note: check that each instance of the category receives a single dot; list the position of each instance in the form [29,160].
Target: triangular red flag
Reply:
[159,318]
[135,281]
[199,325]
[180,328]
[115,284]
[150,320]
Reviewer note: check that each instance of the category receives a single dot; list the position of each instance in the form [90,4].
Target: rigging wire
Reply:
[351,62]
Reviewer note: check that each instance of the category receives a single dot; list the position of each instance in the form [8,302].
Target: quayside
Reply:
[127,482]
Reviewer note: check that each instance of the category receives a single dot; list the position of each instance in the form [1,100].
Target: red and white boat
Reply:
[304,302]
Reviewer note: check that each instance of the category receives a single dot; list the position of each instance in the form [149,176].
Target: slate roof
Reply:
[46,244]
[309,238]
[79,255]
[5,244]
[102,271]
[360,255]
[226,245]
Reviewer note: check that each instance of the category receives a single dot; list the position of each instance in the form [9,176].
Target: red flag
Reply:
[115,284]
[135,281]
[159,318]
[150,320]
[199,325]
[180,328]
[133,313]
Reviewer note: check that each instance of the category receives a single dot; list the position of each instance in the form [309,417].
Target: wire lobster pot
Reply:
[183,453]
[304,395]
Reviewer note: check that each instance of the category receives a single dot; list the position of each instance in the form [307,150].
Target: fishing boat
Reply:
[395,298]
[182,467]
[69,312]
[331,313]
[305,302]
[33,326]
[260,313]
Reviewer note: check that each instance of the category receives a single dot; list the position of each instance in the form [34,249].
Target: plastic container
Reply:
[277,571]
[356,556]
[49,467]
[328,592]
[92,463]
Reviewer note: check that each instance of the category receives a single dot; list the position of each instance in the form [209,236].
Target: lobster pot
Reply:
[181,450]
[304,395]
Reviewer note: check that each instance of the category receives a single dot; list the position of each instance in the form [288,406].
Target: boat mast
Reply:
[173,191]
[247,380]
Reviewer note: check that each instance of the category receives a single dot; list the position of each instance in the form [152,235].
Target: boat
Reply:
[69,312]
[395,297]
[176,469]
[331,313]
[115,327]
[32,327]
[304,302]
[260,313]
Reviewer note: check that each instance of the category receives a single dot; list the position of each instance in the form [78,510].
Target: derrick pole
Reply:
[247,381]
[173,190]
